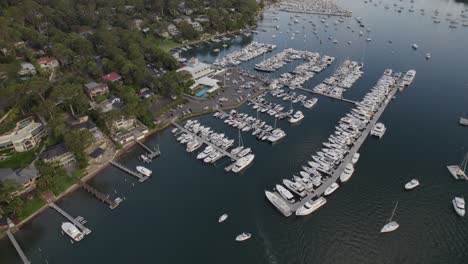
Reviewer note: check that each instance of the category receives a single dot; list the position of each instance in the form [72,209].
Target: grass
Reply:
[18,160]
[30,207]
[168,44]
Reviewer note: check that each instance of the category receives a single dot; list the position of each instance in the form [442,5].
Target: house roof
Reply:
[54,151]
[97,152]
[21,176]
[45,60]
[113,76]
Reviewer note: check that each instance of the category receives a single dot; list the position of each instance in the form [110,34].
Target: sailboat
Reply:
[459,171]
[391,225]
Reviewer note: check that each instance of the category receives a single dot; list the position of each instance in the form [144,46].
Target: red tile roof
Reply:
[45,60]
[112,77]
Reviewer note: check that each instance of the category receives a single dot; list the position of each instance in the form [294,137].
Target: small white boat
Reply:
[244,236]
[428,56]
[310,207]
[391,225]
[459,205]
[297,117]
[347,173]
[411,184]
[355,158]
[72,231]
[331,189]
[242,163]
[144,171]
[223,218]
[414,46]
[378,130]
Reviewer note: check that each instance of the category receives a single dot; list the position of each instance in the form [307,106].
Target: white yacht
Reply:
[222,218]
[459,205]
[243,162]
[310,207]
[347,173]
[145,158]
[331,189]
[287,195]
[279,203]
[411,184]
[236,151]
[428,56]
[310,103]
[378,130]
[72,231]
[276,135]
[414,46]
[355,158]
[391,225]
[244,152]
[297,117]
[244,236]
[193,145]
[144,171]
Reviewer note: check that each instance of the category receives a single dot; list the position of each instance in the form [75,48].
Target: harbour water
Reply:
[172,217]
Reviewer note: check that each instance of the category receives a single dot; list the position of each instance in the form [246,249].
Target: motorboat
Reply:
[347,173]
[242,163]
[414,46]
[297,117]
[391,225]
[411,184]
[244,236]
[331,189]
[287,195]
[378,130]
[459,205]
[72,231]
[146,172]
[279,203]
[223,218]
[355,158]
[310,206]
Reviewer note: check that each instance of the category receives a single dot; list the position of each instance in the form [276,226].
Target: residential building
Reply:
[112,77]
[25,136]
[127,130]
[196,25]
[197,69]
[94,89]
[48,63]
[25,177]
[110,104]
[58,154]
[27,69]
[172,29]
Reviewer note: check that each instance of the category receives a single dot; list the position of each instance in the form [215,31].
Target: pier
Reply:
[15,243]
[328,95]
[334,177]
[152,153]
[141,177]
[75,221]
[222,151]
[268,107]
[100,196]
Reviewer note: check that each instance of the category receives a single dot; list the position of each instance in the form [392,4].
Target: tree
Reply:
[187,31]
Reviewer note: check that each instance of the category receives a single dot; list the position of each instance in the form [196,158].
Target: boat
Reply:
[391,225]
[222,218]
[216,50]
[378,130]
[72,231]
[310,206]
[428,56]
[242,163]
[279,203]
[459,171]
[244,236]
[459,205]
[347,173]
[297,117]
[310,103]
[411,184]
[144,171]
[414,46]
[145,158]
[193,145]
[287,195]
[355,158]
[331,189]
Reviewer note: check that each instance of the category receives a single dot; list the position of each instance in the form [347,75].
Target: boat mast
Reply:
[393,213]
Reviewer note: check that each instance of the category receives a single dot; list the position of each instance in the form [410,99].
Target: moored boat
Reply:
[310,207]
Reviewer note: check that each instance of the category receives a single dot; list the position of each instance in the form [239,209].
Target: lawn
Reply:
[168,44]
[18,160]
[30,207]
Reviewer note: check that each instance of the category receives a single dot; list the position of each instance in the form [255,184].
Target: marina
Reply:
[322,7]
[343,78]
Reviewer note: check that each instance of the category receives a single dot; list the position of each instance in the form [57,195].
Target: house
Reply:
[112,77]
[97,154]
[138,23]
[27,69]
[48,63]
[83,123]
[172,29]
[197,69]
[127,130]
[196,25]
[58,154]
[25,177]
[124,123]
[24,137]
[94,89]
[110,103]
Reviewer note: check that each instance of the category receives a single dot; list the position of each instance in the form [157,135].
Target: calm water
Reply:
[172,218]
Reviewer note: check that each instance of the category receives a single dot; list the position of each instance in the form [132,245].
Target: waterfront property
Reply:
[24,137]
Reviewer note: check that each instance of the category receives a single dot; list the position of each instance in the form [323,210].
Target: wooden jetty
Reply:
[100,196]
[463,121]
[336,175]
[222,151]
[15,243]
[75,221]
[151,153]
[141,177]
[327,95]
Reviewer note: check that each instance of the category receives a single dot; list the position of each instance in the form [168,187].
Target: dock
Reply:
[222,151]
[141,177]
[463,121]
[269,108]
[334,177]
[75,221]
[15,243]
[327,95]
[101,196]
[151,153]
